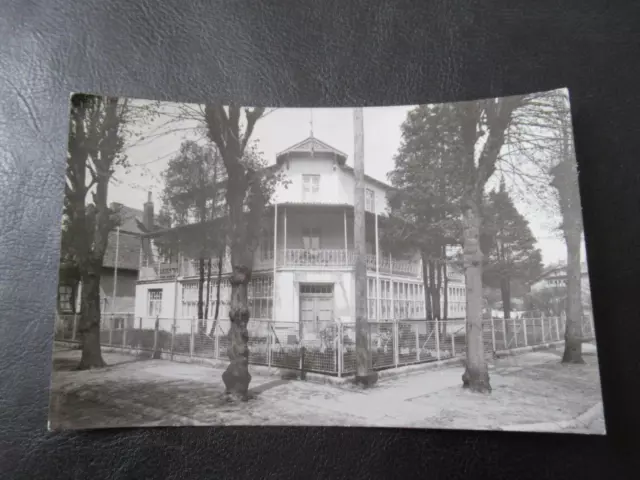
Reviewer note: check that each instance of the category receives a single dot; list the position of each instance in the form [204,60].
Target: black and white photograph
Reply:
[418,266]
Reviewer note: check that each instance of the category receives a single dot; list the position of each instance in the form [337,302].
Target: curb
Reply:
[581,420]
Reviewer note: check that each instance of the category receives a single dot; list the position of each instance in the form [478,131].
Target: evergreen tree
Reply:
[508,246]
[425,204]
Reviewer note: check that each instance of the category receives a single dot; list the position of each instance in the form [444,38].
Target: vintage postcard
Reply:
[418,266]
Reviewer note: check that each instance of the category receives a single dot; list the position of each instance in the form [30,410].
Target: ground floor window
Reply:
[65,298]
[260,293]
[395,300]
[261,297]
[154,302]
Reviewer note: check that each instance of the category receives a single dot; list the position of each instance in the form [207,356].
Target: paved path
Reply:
[529,388]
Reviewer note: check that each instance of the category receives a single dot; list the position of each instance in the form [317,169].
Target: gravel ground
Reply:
[529,388]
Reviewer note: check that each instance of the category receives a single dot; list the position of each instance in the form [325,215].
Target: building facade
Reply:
[119,275]
[304,265]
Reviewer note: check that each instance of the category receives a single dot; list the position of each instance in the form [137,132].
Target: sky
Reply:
[282,128]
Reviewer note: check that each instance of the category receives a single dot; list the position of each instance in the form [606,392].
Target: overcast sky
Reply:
[283,128]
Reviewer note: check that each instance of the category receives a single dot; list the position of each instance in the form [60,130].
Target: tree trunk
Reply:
[201,290]
[218,285]
[427,286]
[505,291]
[203,330]
[236,377]
[89,327]
[427,293]
[573,331]
[437,291]
[476,375]
[445,306]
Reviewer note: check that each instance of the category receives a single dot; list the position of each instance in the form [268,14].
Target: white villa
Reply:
[304,266]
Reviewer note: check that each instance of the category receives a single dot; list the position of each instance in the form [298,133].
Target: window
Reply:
[311,238]
[65,298]
[261,297]
[266,246]
[154,305]
[310,186]
[369,200]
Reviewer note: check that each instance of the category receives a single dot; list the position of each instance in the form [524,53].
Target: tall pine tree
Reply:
[425,204]
[508,245]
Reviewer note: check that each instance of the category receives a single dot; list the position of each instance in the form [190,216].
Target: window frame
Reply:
[310,185]
[369,200]
[311,233]
[154,302]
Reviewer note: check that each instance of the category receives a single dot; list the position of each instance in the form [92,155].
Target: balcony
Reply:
[345,258]
[290,258]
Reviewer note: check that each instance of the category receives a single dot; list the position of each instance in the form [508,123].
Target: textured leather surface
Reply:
[300,53]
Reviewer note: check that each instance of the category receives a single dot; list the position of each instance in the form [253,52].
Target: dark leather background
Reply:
[301,53]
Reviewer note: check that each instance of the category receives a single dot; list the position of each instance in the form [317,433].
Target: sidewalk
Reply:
[529,388]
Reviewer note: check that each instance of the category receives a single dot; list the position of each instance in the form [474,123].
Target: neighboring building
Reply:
[312,276]
[554,279]
[123,253]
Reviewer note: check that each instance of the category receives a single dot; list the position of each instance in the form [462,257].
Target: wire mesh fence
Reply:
[314,346]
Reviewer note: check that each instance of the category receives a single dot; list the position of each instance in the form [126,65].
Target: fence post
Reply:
[191,338]
[557,329]
[493,335]
[504,334]
[155,339]
[340,351]
[75,327]
[269,328]
[453,345]
[173,336]
[124,336]
[438,340]
[524,326]
[542,324]
[396,343]
[515,332]
[216,343]
[417,345]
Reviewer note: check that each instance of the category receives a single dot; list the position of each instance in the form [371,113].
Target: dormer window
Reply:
[310,186]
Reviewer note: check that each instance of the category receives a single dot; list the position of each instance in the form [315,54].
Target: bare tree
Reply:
[247,194]
[483,126]
[96,142]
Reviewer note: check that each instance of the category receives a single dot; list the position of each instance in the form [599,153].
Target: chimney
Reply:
[148,215]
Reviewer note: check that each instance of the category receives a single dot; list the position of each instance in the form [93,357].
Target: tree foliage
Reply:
[508,246]
[425,204]
[194,193]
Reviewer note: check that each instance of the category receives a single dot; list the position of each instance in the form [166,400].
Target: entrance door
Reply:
[316,309]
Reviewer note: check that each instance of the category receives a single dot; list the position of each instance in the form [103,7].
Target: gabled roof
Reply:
[128,247]
[312,145]
[556,271]
[129,218]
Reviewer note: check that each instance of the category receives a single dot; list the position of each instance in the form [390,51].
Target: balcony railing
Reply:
[286,258]
[316,258]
